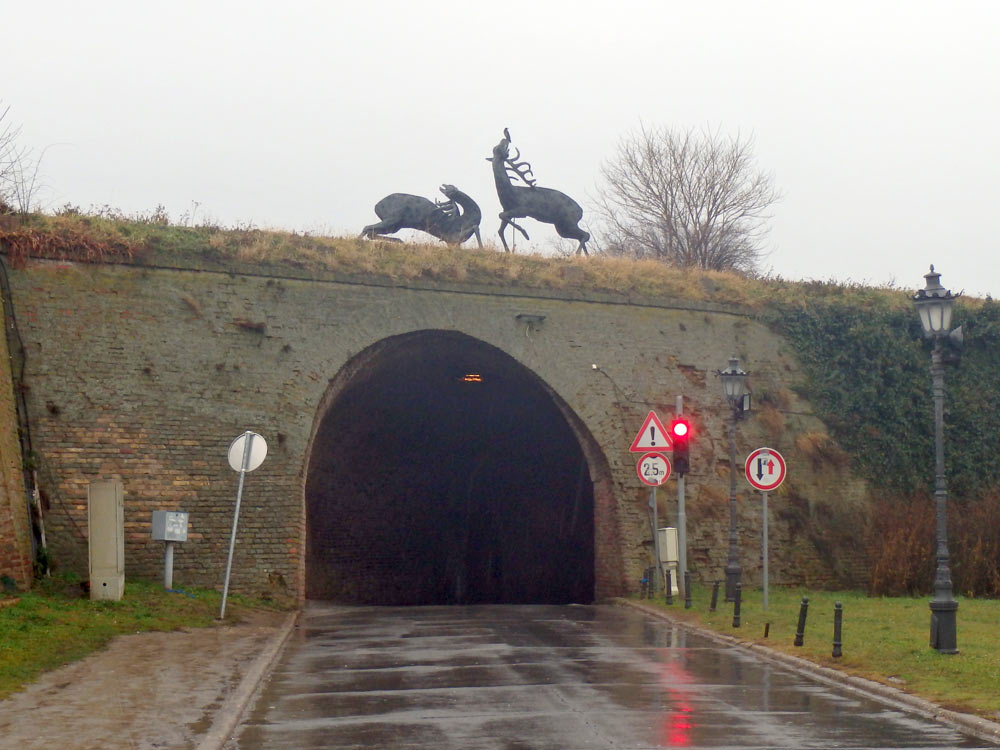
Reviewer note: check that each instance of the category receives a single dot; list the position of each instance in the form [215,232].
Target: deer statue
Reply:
[542,204]
[443,220]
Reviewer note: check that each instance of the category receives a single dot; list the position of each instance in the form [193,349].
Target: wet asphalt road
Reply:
[547,677]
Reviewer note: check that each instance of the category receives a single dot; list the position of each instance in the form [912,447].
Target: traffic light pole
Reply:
[681,522]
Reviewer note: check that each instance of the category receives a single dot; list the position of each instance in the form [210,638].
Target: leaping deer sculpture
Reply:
[443,220]
[542,204]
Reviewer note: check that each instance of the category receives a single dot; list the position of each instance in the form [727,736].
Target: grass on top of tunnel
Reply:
[886,639]
[56,623]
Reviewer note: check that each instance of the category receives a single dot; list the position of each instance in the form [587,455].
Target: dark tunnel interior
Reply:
[444,473]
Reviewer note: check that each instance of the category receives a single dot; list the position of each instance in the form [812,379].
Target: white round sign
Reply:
[653,469]
[765,469]
[258,450]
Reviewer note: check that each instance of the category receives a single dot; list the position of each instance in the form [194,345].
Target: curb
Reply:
[232,710]
[977,726]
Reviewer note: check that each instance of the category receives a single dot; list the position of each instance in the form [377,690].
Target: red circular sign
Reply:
[653,469]
[765,469]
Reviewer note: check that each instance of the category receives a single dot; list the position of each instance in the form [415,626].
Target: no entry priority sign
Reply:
[765,469]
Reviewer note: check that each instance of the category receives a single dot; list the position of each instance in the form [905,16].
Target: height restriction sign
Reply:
[765,469]
[653,469]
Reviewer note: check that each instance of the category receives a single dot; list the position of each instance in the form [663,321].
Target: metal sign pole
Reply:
[236,517]
[168,566]
[656,541]
[763,496]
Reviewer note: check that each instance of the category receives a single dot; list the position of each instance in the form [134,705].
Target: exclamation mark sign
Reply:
[652,435]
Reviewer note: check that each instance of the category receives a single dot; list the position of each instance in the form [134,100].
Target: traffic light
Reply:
[680,435]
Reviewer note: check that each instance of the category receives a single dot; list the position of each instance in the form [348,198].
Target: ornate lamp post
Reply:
[734,387]
[934,304]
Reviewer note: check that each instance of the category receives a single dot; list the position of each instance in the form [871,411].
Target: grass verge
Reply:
[56,623]
[884,639]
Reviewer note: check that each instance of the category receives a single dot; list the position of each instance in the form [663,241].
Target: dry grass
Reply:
[821,450]
[109,236]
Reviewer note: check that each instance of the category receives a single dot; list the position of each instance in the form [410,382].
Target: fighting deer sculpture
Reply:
[453,221]
[542,204]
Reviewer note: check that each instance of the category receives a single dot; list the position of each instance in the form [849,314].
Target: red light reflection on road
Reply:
[675,729]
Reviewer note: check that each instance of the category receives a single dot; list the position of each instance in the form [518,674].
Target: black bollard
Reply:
[670,587]
[687,590]
[767,629]
[838,619]
[715,597]
[800,632]
[737,600]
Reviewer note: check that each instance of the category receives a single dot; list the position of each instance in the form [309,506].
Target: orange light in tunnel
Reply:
[472,377]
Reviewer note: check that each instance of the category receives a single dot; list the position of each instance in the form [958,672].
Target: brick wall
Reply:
[15,539]
[146,374]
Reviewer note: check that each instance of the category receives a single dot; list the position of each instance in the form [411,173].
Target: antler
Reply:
[448,208]
[520,169]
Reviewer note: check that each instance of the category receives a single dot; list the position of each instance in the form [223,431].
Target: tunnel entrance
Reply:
[444,472]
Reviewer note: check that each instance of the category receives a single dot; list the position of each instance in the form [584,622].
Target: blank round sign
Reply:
[258,450]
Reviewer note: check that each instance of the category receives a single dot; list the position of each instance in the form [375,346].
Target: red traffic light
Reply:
[680,429]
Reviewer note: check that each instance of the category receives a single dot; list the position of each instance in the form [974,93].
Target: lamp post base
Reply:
[944,636]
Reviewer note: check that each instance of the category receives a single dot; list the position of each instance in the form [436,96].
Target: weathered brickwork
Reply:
[15,539]
[146,374]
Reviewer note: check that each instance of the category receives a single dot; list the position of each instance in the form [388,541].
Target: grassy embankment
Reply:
[56,623]
[150,239]
[884,639]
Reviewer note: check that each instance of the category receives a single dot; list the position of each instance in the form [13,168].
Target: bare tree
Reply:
[687,198]
[19,168]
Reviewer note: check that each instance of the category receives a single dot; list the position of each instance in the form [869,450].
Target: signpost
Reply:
[653,469]
[682,564]
[765,470]
[246,453]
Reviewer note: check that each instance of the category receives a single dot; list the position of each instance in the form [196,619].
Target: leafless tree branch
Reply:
[686,198]
[19,168]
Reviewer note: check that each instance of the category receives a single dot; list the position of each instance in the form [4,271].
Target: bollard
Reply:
[670,587]
[737,600]
[800,632]
[838,619]
[715,597]
[687,590]
[767,629]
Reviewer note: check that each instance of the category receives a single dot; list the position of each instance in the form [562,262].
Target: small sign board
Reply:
[765,469]
[651,437]
[170,526]
[653,469]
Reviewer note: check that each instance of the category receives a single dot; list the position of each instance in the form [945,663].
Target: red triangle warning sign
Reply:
[652,436]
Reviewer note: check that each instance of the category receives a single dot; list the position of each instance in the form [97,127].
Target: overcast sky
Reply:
[880,121]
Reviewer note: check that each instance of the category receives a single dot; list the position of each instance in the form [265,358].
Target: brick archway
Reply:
[443,471]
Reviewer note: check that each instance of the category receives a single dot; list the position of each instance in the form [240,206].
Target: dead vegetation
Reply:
[109,236]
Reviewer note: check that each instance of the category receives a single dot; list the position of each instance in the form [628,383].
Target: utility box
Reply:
[170,526]
[106,524]
[669,556]
[669,548]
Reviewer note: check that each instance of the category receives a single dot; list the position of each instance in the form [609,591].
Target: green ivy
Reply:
[868,375]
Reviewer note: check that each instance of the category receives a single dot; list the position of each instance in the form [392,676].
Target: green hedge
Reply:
[868,375]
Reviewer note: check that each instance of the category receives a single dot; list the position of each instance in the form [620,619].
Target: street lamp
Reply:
[934,303]
[735,389]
